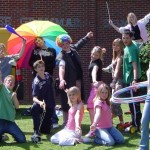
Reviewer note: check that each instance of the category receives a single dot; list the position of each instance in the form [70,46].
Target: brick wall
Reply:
[77,17]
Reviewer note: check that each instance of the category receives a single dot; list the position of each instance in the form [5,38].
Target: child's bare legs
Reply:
[117,111]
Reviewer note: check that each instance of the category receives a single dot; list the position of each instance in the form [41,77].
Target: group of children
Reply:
[70,74]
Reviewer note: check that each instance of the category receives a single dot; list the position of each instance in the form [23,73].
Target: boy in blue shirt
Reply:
[43,98]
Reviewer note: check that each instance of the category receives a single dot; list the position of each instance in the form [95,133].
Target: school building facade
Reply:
[77,18]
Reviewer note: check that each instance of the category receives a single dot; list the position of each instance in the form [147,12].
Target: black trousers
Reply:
[134,107]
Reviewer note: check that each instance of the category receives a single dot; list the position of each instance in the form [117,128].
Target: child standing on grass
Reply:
[8,103]
[43,98]
[144,142]
[95,74]
[70,68]
[116,83]
[105,133]
[71,134]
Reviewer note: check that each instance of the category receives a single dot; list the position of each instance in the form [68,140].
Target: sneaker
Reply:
[36,138]
[59,113]
[5,137]
[87,140]
[55,125]
[90,134]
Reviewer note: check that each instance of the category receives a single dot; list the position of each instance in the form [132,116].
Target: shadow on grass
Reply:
[25,146]
[19,114]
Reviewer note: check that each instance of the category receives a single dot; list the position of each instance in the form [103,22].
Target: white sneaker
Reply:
[59,113]
[55,125]
[90,134]
[87,140]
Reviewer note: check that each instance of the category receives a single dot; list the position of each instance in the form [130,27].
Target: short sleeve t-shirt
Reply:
[105,120]
[7,108]
[131,54]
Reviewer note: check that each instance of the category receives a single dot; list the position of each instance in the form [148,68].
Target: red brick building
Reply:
[77,17]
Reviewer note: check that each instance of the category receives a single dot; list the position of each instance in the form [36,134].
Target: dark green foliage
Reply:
[144,59]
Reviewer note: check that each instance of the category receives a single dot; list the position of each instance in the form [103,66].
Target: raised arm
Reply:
[114,26]
[82,41]
[17,56]
[146,19]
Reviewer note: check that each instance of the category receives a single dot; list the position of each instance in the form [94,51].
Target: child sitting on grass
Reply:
[105,133]
[71,134]
[8,103]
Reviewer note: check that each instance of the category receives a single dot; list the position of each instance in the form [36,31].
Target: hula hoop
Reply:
[115,95]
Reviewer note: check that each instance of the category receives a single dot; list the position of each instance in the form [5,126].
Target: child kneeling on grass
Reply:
[71,134]
[105,133]
[8,103]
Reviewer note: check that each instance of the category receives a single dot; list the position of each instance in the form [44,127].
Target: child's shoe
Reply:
[87,140]
[36,138]
[90,134]
[55,125]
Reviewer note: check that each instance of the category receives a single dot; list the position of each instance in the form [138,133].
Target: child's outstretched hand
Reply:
[92,128]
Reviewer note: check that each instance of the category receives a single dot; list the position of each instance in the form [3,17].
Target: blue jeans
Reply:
[12,129]
[108,136]
[144,142]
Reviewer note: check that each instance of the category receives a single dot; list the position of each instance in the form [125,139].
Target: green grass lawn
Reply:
[25,123]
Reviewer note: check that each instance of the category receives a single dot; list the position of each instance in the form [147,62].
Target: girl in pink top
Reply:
[71,134]
[105,133]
